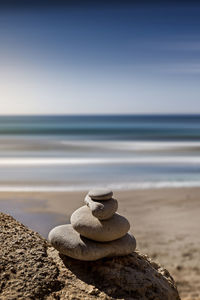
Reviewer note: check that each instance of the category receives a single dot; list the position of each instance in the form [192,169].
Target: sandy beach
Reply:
[165,223]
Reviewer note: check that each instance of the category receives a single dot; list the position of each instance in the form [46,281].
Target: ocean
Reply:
[71,153]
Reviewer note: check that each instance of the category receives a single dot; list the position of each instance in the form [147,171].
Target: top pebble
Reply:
[100,194]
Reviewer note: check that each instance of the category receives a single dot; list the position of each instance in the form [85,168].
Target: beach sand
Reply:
[165,222]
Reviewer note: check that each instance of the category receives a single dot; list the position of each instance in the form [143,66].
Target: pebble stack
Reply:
[96,230]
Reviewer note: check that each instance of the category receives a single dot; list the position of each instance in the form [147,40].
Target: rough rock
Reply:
[132,277]
[31,269]
[103,194]
[102,210]
[92,228]
[69,242]
[26,271]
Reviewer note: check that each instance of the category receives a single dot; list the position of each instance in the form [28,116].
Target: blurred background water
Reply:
[68,153]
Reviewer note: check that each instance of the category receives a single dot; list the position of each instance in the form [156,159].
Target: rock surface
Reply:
[26,271]
[32,269]
[102,210]
[132,277]
[69,242]
[92,228]
[100,194]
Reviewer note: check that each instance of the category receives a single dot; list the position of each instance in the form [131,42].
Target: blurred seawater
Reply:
[66,153]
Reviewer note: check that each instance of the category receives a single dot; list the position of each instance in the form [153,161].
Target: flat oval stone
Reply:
[102,210]
[92,228]
[101,194]
[69,242]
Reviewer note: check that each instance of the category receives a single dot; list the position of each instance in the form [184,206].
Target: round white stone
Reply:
[102,210]
[69,242]
[101,194]
[90,227]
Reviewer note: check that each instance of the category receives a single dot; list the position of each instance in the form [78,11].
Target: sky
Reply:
[99,57]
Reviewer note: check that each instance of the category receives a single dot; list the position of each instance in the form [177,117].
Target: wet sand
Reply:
[165,222]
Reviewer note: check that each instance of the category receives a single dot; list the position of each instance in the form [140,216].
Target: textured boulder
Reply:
[92,228]
[32,269]
[131,277]
[26,271]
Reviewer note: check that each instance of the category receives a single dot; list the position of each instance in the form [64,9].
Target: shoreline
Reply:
[130,187]
[165,223]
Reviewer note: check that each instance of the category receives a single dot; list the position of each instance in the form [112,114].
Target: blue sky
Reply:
[112,57]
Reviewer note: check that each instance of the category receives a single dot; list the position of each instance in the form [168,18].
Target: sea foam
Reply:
[35,161]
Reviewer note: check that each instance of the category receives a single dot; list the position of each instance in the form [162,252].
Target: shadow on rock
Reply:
[130,277]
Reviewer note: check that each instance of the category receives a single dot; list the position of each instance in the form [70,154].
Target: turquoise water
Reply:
[110,127]
[61,153]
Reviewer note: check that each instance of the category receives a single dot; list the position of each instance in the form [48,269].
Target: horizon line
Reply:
[99,114]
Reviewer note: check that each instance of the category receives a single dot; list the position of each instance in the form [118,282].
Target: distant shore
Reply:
[165,223]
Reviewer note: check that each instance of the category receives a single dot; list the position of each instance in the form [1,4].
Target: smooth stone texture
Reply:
[102,210]
[69,242]
[101,194]
[92,228]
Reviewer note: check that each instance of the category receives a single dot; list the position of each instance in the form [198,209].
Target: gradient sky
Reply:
[107,57]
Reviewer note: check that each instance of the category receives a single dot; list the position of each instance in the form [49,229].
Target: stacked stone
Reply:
[96,230]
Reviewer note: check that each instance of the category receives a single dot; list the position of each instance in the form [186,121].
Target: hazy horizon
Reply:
[102,114]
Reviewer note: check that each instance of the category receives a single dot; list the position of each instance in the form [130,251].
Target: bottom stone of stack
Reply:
[69,242]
